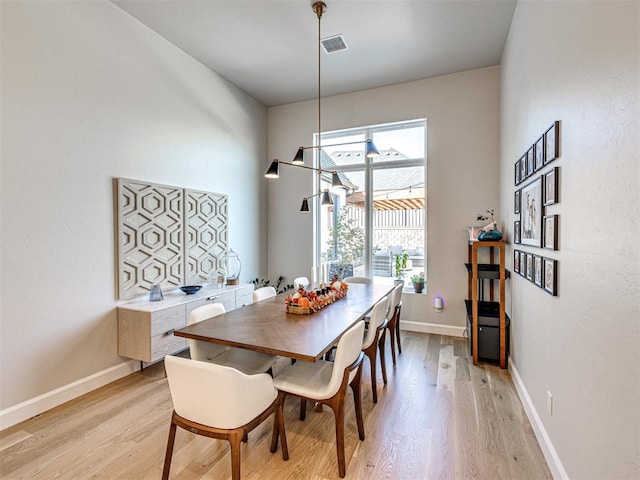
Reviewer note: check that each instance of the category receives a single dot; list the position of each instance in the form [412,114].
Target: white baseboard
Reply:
[35,406]
[432,328]
[549,452]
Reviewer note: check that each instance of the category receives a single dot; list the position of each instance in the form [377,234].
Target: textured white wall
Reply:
[578,62]
[462,112]
[88,94]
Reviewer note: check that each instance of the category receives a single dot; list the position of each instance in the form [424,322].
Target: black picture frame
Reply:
[537,270]
[550,272]
[523,168]
[516,173]
[551,184]
[516,232]
[530,161]
[523,264]
[552,143]
[550,232]
[530,267]
[516,261]
[516,202]
[531,213]
[539,154]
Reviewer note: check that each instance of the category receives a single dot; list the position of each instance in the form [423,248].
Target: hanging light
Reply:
[325,201]
[274,170]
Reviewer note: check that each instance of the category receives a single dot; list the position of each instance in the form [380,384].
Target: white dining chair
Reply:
[392,323]
[205,401]
[247,361]
[373,339]
[326,383]
[263,293]
[364,280]
[304,281]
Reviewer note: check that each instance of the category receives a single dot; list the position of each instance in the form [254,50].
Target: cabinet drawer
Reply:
[227,299]
[162,345]
[169,319]
[244,296]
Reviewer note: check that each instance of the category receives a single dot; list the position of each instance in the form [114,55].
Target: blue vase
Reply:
[490,236]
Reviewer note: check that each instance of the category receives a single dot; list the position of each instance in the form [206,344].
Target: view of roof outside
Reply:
[397,197]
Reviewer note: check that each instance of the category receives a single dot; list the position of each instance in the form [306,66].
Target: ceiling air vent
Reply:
[334,44]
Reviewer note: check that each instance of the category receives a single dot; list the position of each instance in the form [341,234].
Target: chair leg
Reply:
[169,453]
[303,409]
[235,439]
[357,400]
[383,361]
[338,413]
[398,331]
[245,438]
[392,337]
[371,354]
[278,428]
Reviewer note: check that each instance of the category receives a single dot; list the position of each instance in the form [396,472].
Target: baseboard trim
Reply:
[432,328]
[35,406]
[549,452]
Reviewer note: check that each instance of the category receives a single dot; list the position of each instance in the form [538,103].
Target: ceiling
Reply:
[269,48]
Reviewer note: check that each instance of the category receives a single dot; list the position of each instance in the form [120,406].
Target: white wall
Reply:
[462,112]
[89,94]
[584,344]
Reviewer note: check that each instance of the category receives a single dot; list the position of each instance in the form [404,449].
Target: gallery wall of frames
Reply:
[537,187]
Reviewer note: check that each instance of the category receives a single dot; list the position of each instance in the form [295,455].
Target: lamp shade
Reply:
[305,205]
[372,151]
[274,170]
[326,198]
[299,158]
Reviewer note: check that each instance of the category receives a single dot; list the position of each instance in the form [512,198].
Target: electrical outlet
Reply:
[549,402]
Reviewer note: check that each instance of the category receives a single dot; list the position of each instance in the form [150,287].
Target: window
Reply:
[377,228]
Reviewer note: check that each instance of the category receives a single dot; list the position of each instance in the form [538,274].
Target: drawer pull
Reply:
[169,332]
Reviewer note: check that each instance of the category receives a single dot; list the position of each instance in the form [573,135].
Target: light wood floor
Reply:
[439,417]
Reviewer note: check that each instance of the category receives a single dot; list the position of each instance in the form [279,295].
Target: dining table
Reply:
[267,327]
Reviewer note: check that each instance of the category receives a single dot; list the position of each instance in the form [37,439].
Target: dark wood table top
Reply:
[267,327]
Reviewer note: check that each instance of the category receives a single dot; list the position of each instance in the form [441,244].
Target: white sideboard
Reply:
[145,329]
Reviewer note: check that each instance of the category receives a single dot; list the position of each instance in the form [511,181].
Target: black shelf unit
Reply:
[488,330]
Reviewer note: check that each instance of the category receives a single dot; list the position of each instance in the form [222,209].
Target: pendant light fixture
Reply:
[298,161]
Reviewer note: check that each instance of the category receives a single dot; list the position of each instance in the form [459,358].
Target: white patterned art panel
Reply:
[206,234]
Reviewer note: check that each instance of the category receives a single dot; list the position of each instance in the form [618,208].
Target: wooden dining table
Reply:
[267,327]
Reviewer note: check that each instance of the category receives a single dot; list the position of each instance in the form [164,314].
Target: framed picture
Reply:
[516,261]
[550,228]
[530,267]
[531,211]
[551,186]
[523,168]
[523,264]
[549,270]
[537,270]
[530,161]
[516,173]
[516,202]
[552,146]
[516,231]
[539,153]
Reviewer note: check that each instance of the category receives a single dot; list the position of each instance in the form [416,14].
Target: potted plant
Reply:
[418,282]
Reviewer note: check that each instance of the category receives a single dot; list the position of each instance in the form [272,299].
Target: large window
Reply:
[376,228]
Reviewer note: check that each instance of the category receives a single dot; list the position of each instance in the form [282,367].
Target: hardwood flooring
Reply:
[439,417]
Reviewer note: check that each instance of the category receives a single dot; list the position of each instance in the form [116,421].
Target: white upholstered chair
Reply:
[206,402]
[247,361]
[393,321]
[374,341]
[326,382]
[263,293]
[364,280]
[304,281]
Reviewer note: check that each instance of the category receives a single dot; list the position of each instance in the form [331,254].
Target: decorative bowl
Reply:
[191,289]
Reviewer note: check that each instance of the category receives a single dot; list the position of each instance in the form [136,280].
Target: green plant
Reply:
[482,217]
[278,285]
[401,264]
[418,278]
[346,240]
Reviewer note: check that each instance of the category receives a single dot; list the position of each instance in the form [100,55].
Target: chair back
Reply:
[395,299]
[263,293]
[207,393]
[378,313]
[349,347]
[364,280]
[304,281]
[200,350]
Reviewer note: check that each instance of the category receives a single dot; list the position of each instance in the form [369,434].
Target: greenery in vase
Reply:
[401,264]
[278,285]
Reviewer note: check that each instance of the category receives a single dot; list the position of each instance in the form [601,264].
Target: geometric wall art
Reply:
[167,235]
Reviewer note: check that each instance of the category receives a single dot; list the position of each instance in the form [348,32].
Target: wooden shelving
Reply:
[487,314]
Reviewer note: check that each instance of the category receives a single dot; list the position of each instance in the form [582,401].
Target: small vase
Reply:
[417,287]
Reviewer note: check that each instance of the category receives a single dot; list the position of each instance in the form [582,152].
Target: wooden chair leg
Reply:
[383,361]
[357,400]
[371,355]
[398,330]
[303,409]
[169,453]
[338,413]
[278,428]
[235,439]
[245,438]
[392,337]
